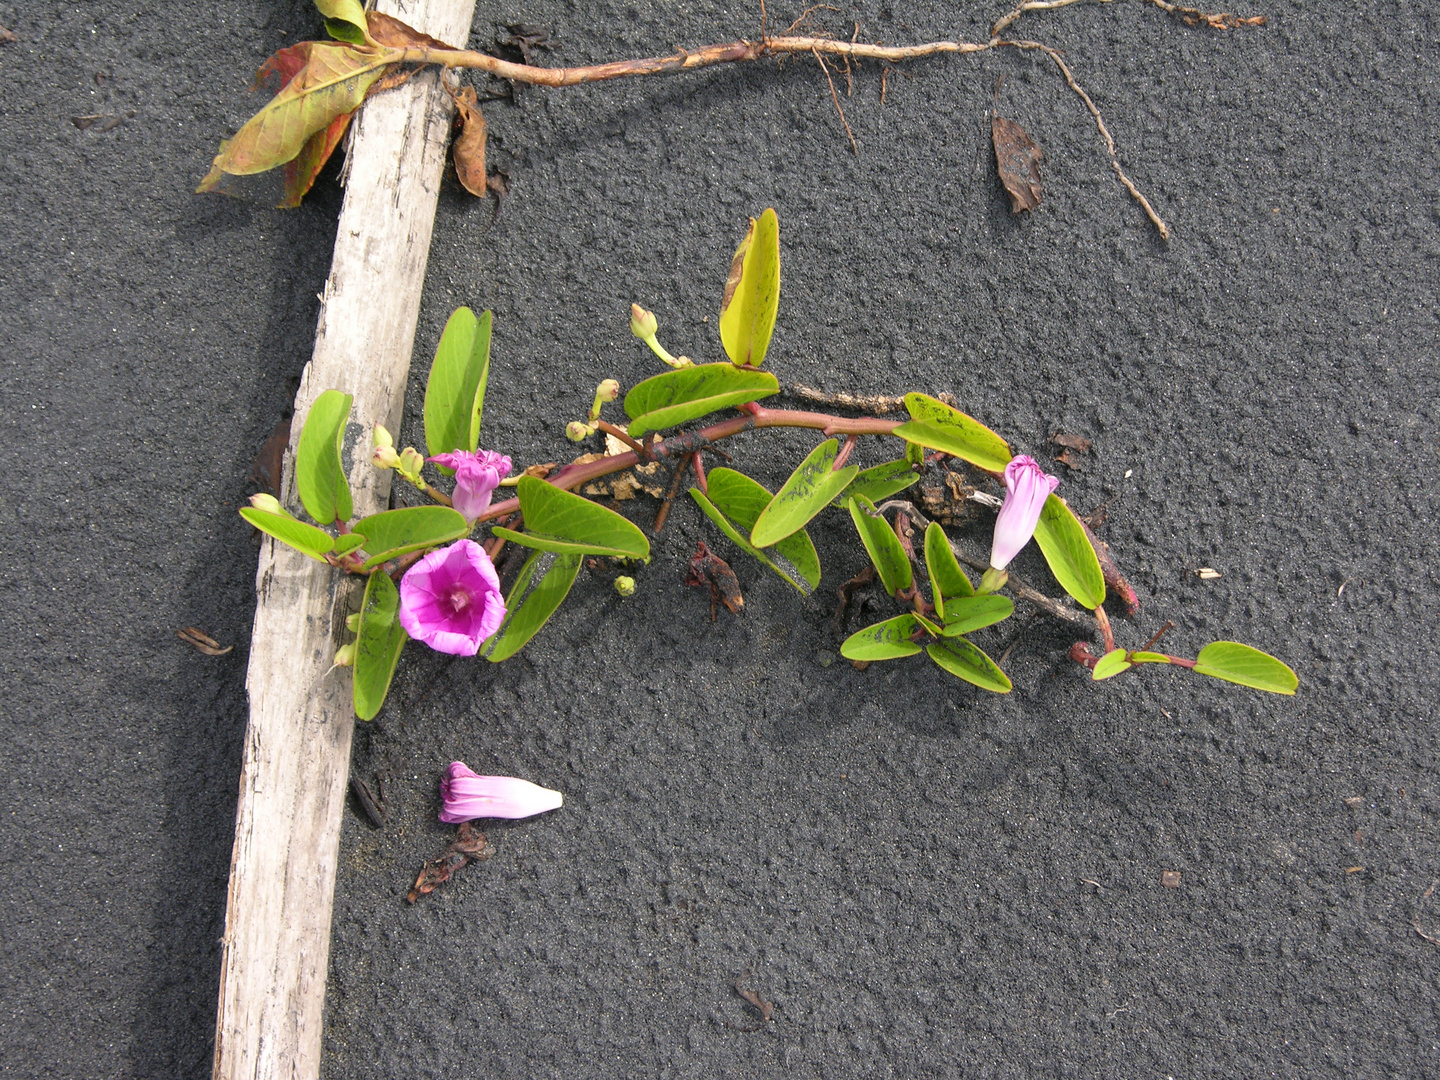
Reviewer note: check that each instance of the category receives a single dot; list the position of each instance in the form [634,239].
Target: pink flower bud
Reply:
[1026,488]
[267,503]
[477,474]
[466,795]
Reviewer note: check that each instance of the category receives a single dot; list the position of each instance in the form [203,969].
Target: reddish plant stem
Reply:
[610,429]
[844,455]
[700,481]
[1104,621]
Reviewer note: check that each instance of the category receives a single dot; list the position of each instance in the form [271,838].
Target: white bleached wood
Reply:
[297,746]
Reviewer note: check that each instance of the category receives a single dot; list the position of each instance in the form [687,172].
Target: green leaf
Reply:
[347,13]
[558,520]
[319,474]
[531,602]
[809,490]
[965,661]
[1111,664]
[1149,658]
[1067,549]
[341,30]
[886,640]
[879,483]
[396,532]
[752,293]
[377,645]
[333,81]
[936,425]
[1233,662]
[946,577]
[883,546]
[741,499]
[455,393]
[966,613]
[348,542]
[301,536]
[675,397]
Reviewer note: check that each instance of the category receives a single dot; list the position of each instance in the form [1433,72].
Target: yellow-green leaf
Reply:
[946,578]
[345,19]
[934,424]
[455,392]
[888,640]
[531,602]
[319,471]
[808,491]
[965,661]
[882,545]
[377,645]
[1068,550]
[752,293]
[1111,664]
[676,397]
[1248,666]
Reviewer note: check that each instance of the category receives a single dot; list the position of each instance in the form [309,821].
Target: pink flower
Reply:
[1026,489]
[477,474]
[465,796]
[451,599]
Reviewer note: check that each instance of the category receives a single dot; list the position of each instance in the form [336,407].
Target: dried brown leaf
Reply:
[202,641]
[1071,442]
[1018,160]
[467,847]
[468,149]
[709,570]
[390,31]
[7,36]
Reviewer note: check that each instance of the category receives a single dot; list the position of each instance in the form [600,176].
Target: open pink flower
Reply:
[465,796]
[1026,489]
[451,599]
[477,474]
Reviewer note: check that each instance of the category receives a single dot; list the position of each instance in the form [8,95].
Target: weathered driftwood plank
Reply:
[297,747]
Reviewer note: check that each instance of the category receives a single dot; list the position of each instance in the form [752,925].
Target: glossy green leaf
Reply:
[1237,663]
[676,397]
[333,81]
[319,474]
[946,577]
[1111,664]
[752,293]
[741,499]
[809,490]
[543,583]
[882,545]
[377,645]
[963,660]
[886,640]
[396,532]
[964,614]
[561,521]
[936,425]
[880,482]
[914,454]
[455,393]
[300,535]
[1067,549]
[1149,658]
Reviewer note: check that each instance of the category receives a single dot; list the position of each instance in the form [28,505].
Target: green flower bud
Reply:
[382,438]
[575,431]
[352,623]
[385,457]
[411,462]
[345,655]
[643,324]
[268,503]
[992,581]
[608,390]
[625,586]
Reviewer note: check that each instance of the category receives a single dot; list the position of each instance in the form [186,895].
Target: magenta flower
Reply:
[477,474]
[465,796]
[1026,489]
[451,599]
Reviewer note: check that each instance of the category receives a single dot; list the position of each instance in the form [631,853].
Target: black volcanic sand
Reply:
[923,878]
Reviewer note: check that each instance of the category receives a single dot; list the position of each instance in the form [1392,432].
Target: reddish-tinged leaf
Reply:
[300,173]
[469,146]
[388,30]
[333,81]
[1018,159]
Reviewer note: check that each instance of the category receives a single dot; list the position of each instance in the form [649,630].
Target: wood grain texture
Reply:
[297,746]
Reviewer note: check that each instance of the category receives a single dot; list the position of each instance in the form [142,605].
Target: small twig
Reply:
[870,403]
[1195,17]
[1032,5]
[1129,184]
[835,97]
[664,512]
[846,591]
[610,429]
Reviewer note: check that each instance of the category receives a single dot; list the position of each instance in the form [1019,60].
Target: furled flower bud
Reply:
[1026,488]
[352,623]
[477,474]
[625,586]
[465,795]
[608,390]
[410,463]
[575,431]
[643,324]
[345,655]
[383,438]
[385,457]
[268,503]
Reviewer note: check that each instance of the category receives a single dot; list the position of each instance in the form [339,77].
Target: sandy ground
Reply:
[924,879]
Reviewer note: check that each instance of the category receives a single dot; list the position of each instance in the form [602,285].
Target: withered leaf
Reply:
[1071,442]
[1018,160]
[467,847]
[265,469]
[202,641]
[468,149]
[7,36]
[390,31]
[523,37]
[1068,459]
[708,569]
